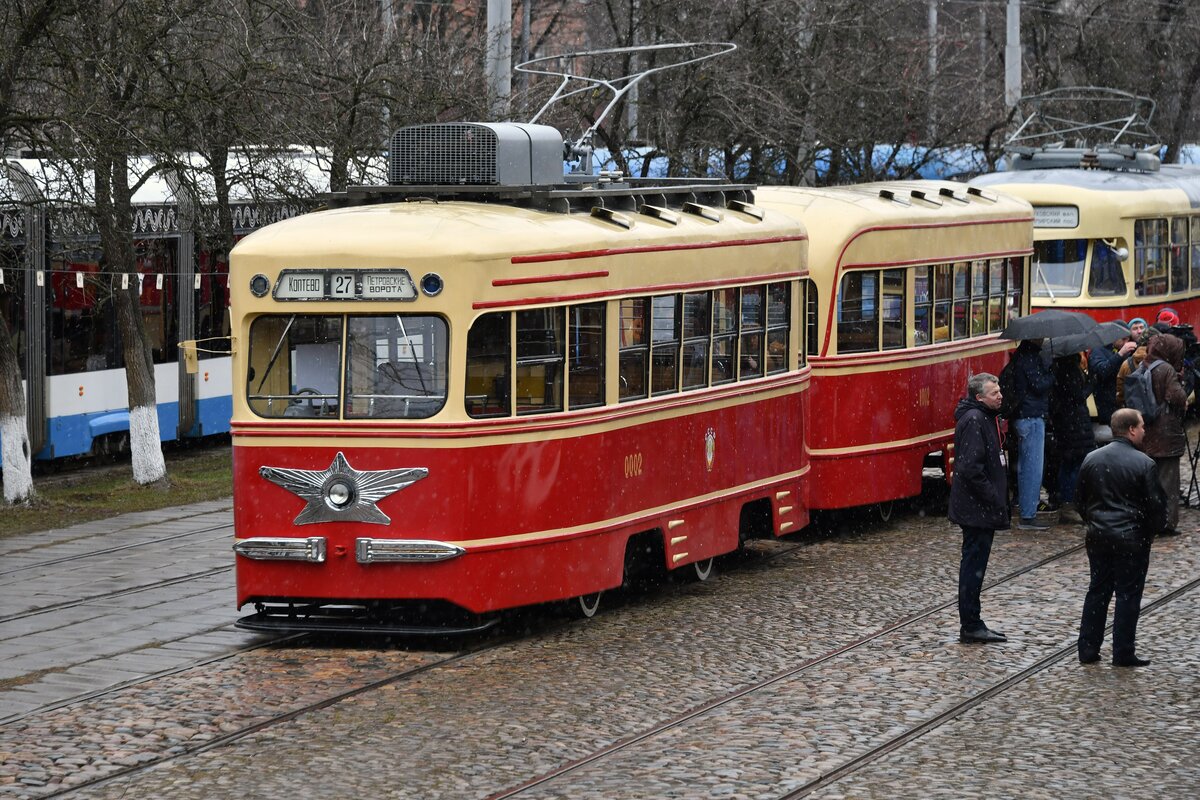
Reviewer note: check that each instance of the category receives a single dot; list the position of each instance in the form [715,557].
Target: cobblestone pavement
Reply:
[101,604]
[504,716]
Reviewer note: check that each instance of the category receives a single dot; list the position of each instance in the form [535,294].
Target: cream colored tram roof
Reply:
[839,216]
[463,232]
[1104,194]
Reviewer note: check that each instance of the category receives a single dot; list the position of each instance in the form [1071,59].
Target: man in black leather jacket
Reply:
[978,497]
[1123,506]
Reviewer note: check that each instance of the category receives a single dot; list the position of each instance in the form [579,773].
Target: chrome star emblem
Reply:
[341,493]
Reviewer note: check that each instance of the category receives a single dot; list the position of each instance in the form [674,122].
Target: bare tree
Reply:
[24,28]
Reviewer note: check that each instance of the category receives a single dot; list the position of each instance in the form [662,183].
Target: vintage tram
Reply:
[910,285]
[481,387]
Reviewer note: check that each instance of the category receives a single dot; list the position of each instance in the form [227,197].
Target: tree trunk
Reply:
[115,217]
[14,433]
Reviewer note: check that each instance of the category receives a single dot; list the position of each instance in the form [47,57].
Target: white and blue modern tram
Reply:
[56,296]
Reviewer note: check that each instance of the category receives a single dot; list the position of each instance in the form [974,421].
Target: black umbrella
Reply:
[1048,325]
[1102,335]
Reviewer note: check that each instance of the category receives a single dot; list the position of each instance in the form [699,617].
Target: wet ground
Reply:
[818,665]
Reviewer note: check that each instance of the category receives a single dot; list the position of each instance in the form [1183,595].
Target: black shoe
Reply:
[1168,532]
[1031,524]
[981,636]
[1089,658]
[1132,661]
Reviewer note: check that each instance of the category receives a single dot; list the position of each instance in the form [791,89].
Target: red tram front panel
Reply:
[543,508]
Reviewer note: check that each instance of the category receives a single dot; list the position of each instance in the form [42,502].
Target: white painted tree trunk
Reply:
[18,466]
[145,445]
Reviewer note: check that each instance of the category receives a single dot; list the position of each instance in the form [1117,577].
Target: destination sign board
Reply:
[328,284]
[1055,217]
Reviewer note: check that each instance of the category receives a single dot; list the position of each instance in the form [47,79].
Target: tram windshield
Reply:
[1058,267]
[394,366]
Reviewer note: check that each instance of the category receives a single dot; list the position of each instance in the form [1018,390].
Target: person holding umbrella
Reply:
[1032,382]
[1104,362]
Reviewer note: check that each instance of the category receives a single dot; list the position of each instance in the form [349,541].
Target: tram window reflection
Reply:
[751,342]
[1179,255]
[857,317]
[697,318]
[586,332]
[779,319]
[541,343]
[488,356]
[1107,278]
[1059,271]
[396,366]
[664,335]
[1149,252]
[725,309]
[633,354]
[1194,224]
[922,306]
[892,309]
[295,366]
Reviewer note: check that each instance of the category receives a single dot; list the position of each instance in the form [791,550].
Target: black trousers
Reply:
[976,548]
[1116,567]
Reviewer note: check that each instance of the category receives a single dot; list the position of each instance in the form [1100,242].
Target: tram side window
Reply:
[892,308]
[1179,255]
[942,292]
[157,263]
[812,311]
[996,320]
[980,282]
[294,366]
[1107,278]
[12,300]
[488,357]
[962,303]
[697,319]
[1149,267]
[724,345]
[858,312]
[586,349]
[1016,286]
[779,318]
[1194,224]
[633,352]
[83,321]
[922,306]
[211,303]
[395,366]
[541,342]
[751,343]
[664,337]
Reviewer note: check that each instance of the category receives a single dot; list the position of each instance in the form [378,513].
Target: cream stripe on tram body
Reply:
[486,398]
[910,286]
[1112,240]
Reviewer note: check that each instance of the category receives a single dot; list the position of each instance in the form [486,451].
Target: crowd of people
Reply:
[1119,476]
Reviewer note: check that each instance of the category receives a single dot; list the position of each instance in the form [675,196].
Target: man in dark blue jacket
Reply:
[1120,499]
[1103,365]
[1033,381]
[978,497]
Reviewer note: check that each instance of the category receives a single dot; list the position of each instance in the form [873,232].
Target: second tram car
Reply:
[910,285]
[487,396]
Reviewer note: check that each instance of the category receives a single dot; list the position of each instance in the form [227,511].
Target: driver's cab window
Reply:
[294,366]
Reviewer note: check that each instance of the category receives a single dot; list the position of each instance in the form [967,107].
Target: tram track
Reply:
[114,549]
[784,675]
[496,639]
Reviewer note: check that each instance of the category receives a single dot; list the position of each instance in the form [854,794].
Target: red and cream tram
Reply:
[1117,234]
[910,285]
[495,394]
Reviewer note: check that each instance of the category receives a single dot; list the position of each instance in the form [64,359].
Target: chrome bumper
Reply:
[366,551]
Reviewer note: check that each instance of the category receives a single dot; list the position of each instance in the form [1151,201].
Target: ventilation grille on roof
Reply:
[441,154]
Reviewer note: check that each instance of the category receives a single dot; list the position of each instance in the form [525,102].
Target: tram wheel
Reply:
[886,510]
[586,605]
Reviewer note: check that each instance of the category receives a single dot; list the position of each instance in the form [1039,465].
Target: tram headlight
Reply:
[431,284]
[339,494]
[259,285]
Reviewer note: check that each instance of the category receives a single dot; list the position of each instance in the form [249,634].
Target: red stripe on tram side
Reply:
[574,276]
[658,248]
